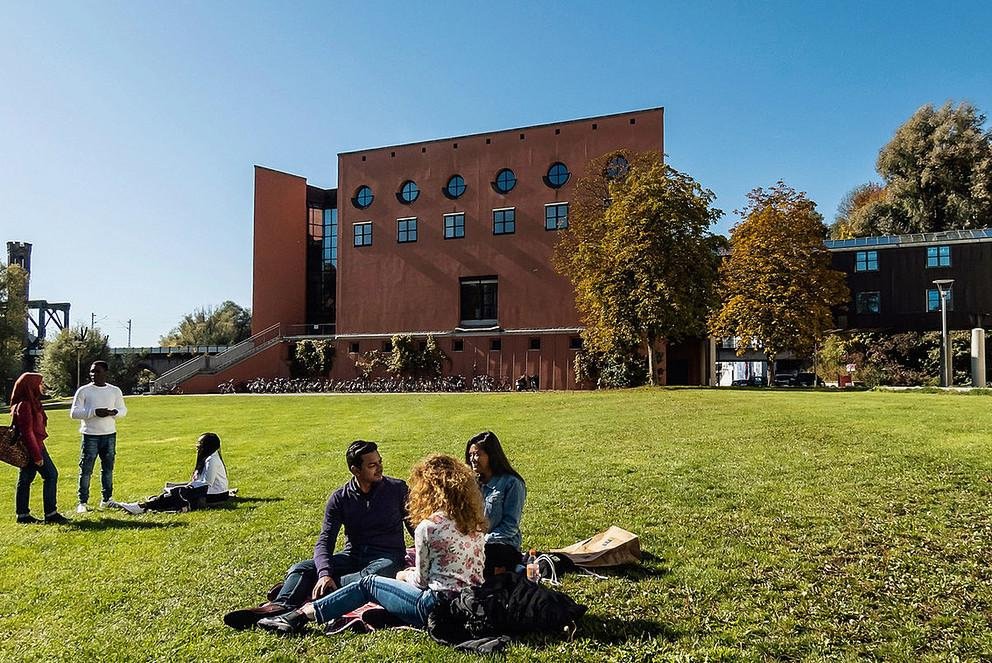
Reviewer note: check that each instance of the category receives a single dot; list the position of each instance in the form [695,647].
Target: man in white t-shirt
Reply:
[98,404]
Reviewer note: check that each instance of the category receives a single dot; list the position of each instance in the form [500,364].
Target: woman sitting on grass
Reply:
[207,485]
[504,493]
[449,543]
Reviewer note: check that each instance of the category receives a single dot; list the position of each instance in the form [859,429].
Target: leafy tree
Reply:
[225,325]
[13,324]
[313,357]
[777,287]
[407,359]
[859,211]
[72,348]
[638,252]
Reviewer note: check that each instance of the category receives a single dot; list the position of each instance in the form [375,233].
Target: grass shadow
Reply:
[235,502]
[617,630]
[120,523]
[651,566]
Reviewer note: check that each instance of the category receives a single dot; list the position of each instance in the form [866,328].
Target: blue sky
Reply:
[128,130]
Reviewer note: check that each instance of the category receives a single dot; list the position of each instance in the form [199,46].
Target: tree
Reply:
[225,325]
[314,357]
[638,252]
[938,175]
[13,324]
[71,353]
[776,286]
[858,211]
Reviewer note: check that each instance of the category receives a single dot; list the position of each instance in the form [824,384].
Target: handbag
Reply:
[12,449]
[614,547]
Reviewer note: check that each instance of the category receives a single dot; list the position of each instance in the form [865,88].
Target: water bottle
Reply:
[533,570]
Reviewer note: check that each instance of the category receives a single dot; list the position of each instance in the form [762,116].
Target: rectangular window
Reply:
[556,216]
[363,233]
[353,348]
[457,345]
[406,230]
[575,343]
[866,261]
[933,300]
[454,225]
[504,221]
[478,300]
[867,302]
[938,256]
[535,344]
[495,345]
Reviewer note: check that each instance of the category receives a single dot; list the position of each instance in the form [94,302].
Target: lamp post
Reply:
[944,288]
[79,340]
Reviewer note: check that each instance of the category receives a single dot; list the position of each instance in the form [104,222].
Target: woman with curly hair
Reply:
[450,545]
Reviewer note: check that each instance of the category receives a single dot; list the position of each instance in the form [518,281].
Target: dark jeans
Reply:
[178,498]
[302,577]
[104,446]
[49,474]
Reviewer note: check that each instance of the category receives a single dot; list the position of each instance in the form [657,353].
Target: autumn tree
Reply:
[859,211]
[776,286]
[13,324]
[639,253]
[225,325]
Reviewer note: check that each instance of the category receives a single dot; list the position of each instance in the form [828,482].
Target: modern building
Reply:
[451,238]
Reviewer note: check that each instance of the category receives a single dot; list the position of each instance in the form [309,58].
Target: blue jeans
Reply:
[104,446]
[298,586]
[49,474]
[400,599]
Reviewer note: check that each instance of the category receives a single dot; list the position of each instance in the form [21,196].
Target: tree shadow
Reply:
[236,501]
[617,630]
[120,523]
[651,566]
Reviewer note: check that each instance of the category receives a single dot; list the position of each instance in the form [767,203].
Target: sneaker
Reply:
[28,520]
[105,503]
[131,507]
[82,507]
[57,519]
[242,619]
[288,624]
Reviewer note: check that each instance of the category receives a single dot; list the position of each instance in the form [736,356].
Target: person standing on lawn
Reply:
[98,405]
[32,422]
[372,509]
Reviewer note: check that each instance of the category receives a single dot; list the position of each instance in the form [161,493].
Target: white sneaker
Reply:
[105,503]
[131,507]
[82,507]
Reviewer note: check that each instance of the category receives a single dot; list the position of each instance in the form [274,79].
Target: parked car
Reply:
[796,379]
[753,381]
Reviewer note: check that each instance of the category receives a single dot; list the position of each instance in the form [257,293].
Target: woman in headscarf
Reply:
[31,422]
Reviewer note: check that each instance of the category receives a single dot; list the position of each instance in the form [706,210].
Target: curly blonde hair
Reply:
[443,483]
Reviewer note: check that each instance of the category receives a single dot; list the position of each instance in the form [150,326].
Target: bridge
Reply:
[158,360]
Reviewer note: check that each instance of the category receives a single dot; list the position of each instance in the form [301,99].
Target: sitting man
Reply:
[372,508]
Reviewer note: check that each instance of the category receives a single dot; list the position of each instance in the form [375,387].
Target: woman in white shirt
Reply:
[450,552]
[208,484]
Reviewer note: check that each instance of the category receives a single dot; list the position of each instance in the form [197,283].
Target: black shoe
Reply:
[28,520]
[242,619]
[288,624]
[57,519]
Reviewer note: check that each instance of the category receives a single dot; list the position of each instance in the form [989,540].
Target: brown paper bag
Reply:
[613,547]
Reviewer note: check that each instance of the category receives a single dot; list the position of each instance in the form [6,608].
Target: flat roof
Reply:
[940,237]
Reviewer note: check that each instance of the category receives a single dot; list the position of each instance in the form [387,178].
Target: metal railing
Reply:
[324,329]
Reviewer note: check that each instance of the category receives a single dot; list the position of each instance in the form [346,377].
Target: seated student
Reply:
[449,544]
[504,493]
[208,483]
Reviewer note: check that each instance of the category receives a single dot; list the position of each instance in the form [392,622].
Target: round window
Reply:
[505,180]
[617,167]
[557,175]
[409,191]
[363,197]
[455,187]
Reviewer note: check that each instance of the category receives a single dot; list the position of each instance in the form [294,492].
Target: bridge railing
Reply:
[206,364]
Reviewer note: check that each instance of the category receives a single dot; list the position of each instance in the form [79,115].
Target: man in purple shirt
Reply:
[372,509]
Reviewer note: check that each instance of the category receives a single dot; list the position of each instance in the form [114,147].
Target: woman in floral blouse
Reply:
[450,547]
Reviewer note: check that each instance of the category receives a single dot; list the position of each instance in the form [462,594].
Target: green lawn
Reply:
[779,524]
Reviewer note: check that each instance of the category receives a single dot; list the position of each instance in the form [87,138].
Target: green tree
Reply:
[225,325]
[859,211]
[314,357]
[72,349]
[13,324]
[638,253]
[776,286]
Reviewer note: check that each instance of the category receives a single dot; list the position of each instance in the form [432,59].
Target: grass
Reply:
[778,525]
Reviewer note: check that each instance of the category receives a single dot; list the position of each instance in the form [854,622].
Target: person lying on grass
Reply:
[207,485]
[450,553]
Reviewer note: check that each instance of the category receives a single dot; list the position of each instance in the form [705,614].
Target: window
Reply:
[557,175]
[406,230]
[454,225]
[556,216]
[457,345]
[575,343]
[409,192]
[504,221]
[363,197]
[455,187]
[354,347]
[938,256]
[866,261]
[363,233]
[535,344]
[867,302]
[495,345]
[505,181]
[478,300]
[387,345]
[617,167]
[933,300]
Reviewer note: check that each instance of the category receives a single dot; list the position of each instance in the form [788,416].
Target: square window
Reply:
[363,233]
[422,345]
[387,345]
[495,345]
[535,344]
[406,230]
[556,216]
[457,345]
[575,343]
[866,261]
[504,221]
[478,301]
[867,302]
[354,347]
[454,226]
[938,256]
[933,300]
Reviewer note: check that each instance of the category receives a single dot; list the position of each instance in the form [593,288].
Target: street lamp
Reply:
[946,377]
[79,340]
